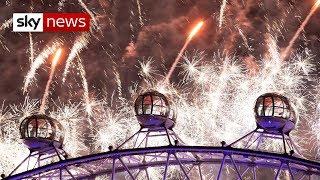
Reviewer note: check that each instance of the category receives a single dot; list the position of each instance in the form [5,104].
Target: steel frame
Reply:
[211,163]
[40,157]
[253,140]
[144,136]
[137,156]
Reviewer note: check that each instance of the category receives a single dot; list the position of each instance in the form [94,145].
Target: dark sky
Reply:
[122,40]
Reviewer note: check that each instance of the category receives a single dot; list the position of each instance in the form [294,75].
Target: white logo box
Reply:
[26,22]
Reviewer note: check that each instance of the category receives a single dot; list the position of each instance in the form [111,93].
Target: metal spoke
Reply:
[222,164]
[183,170]
[127,169]
[166,167]
[235,166]
[278,172]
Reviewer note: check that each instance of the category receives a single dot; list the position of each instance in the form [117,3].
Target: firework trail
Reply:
[46,92]
[84,6]
[6,24]
[301,28]
[118,81]
[191,35]
[140,13]
[31,48]
[80,43]
[244,39]
[61,5]
[38,61]
[85,88]
[222,10]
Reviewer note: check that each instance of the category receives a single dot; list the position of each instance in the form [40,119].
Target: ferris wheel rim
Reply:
[172,149]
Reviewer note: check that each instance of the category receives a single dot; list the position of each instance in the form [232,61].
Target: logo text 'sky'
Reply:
[51,22]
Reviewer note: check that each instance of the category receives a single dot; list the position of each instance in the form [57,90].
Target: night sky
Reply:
[123,39]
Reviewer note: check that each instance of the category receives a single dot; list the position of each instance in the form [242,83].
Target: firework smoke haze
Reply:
[314,8]
[191,35]
[47,90]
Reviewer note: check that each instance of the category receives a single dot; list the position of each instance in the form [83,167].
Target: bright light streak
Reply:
[286,52]
[56,58]
[195,30]
[80,43]
[222,10]
[38,61]
[175,63]
[46,92]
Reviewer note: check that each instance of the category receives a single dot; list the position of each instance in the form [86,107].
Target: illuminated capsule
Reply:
[274,113]
[153,110]
[39,131]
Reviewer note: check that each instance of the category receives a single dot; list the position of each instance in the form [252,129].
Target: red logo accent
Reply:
[66,22]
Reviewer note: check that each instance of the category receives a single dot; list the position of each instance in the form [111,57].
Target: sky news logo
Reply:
[51,22]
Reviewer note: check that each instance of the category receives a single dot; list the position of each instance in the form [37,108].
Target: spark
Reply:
[146,68]
[300,29]
[222,10]
[46,92]
[80,43]
[191,35]
[192,68]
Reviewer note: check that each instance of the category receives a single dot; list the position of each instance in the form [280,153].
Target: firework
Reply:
[38,61]
[80,43]
[72,118]
[301,28]
[191,35]
[147,70]
[118,81]
[6,24]
[31,48]
[244,40]
[222,10]
[215,96]
[140,13]
[85,88]
[85,7]
[46,92]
